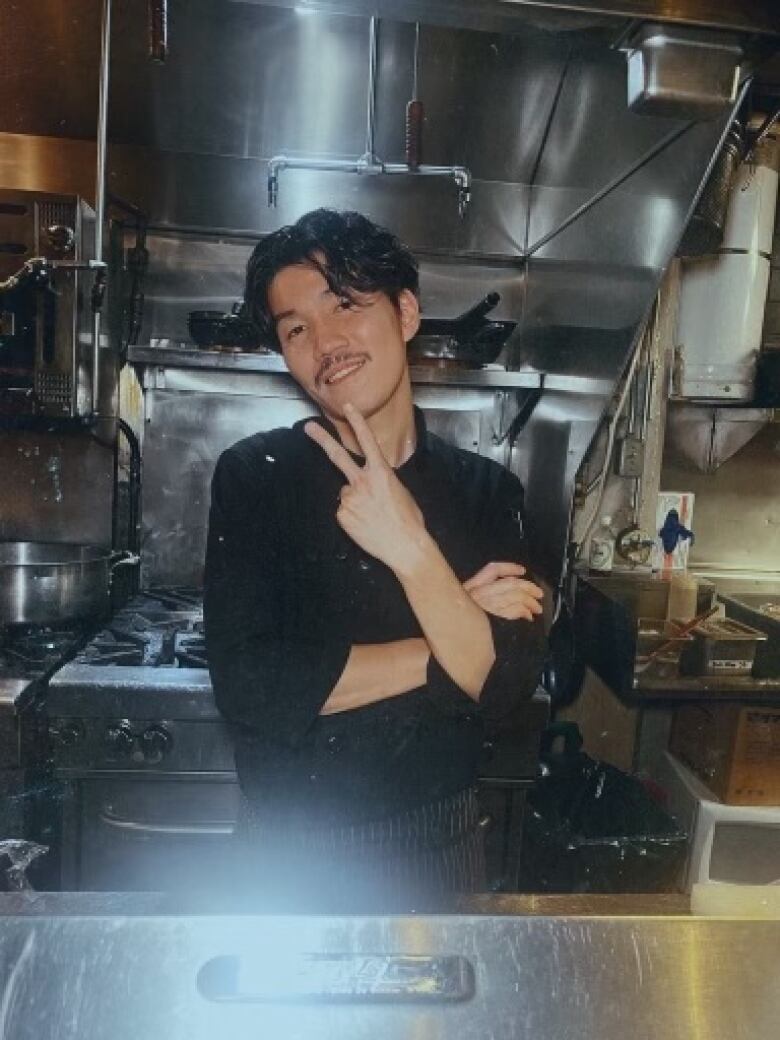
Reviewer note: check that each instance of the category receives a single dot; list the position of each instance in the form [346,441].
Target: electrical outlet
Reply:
[630,457]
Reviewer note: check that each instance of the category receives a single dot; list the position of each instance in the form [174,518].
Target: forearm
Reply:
[377,671]
[456,630]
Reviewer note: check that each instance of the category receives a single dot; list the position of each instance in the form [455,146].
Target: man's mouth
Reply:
[339,369]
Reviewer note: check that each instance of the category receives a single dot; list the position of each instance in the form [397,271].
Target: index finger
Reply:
[492,572]
[364,436]
[336,452]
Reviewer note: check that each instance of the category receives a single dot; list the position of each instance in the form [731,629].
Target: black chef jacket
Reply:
[287,593]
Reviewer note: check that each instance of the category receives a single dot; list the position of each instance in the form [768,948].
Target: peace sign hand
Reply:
[376,510]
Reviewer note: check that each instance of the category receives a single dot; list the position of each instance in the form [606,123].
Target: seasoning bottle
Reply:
[602,547]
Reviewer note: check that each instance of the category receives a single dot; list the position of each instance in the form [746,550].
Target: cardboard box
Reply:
[733,748]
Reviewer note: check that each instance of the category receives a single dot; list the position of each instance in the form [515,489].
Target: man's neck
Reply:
[393,426]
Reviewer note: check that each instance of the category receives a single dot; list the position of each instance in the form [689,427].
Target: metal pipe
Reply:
[100,184]
[373,61]
[460,174]
[368,163]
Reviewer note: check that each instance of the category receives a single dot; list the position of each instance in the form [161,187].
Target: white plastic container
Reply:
[737,844]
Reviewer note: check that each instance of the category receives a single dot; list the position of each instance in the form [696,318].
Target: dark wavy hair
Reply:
[351,252]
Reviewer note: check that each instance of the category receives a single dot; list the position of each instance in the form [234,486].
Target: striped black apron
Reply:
[417,858]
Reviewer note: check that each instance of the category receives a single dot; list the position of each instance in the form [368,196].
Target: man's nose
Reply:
[328,339]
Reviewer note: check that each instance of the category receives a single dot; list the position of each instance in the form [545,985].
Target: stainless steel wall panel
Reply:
[594,296]
[184,435]
[194,273]
[49,54]
[55,488]
[546,458]
[594,132]
[209,192]
[243,81]
[192,416]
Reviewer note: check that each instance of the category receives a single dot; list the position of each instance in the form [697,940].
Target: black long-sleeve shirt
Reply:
[288,593]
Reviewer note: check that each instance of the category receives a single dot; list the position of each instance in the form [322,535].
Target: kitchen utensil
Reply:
[415,113]
[212,329]
[659,644]
[49,582]
[467,341]
[760,610]
[722,646]
[682,631]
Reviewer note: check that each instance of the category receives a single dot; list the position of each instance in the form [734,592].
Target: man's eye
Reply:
[345,304]
[296,330]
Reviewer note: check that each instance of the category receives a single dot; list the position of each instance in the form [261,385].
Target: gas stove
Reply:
[146,759]
[138,693]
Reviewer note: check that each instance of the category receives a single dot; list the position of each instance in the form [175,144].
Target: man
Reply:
[365,604]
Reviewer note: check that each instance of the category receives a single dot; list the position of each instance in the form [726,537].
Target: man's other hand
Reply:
[376,510]
[500,589]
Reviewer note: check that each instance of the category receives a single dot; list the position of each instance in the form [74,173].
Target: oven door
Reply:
[131,833]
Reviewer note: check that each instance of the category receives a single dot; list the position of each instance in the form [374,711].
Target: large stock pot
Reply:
[45,583]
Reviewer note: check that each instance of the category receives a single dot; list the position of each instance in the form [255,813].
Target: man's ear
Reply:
[409,308]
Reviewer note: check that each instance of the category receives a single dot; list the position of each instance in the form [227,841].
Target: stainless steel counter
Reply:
[85,967]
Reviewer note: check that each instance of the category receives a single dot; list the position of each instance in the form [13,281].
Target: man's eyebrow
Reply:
[276,318]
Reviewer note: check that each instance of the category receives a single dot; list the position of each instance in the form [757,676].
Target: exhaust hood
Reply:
[755,16]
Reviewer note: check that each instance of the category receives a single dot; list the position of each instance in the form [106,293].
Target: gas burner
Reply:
[160,629]
[190,651]
[30,651]
[176,598]
[106,649]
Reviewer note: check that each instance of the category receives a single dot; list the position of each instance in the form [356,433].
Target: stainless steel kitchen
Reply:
[390,519]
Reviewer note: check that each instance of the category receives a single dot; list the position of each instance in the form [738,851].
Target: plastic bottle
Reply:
[683,594]
[602,547]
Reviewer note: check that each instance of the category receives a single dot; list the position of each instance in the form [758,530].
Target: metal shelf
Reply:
[170,355]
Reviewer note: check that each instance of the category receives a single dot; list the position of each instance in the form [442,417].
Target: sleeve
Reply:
[261,679]
[520,646]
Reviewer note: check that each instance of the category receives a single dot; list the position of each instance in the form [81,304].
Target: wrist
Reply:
[416,557]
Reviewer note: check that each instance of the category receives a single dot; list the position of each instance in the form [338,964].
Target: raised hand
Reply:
[376,510]
[500,589]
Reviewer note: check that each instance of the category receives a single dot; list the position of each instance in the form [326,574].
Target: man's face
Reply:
[342,350]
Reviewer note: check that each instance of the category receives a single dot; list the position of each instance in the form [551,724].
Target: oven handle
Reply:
[134,827]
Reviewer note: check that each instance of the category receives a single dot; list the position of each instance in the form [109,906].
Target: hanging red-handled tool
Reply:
[414,113]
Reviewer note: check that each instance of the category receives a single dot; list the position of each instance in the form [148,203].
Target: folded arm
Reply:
[261,680]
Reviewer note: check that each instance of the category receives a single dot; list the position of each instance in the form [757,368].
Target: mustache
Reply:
[336,359]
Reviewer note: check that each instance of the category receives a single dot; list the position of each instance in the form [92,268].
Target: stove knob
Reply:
[120,740]
[66,734]
[156,742]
